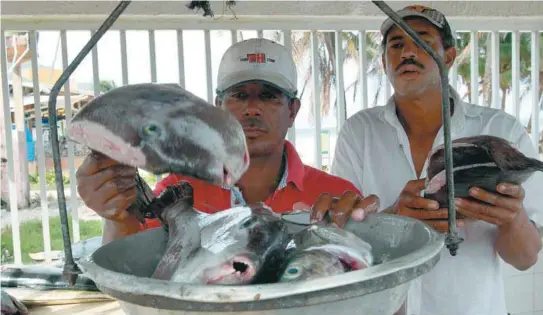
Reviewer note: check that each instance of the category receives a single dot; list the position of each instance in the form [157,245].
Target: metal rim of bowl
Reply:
[180,296]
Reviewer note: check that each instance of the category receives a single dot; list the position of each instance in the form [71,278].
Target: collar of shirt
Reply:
[293,173]
[458,119]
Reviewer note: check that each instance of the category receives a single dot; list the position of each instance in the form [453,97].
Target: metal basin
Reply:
[405,247]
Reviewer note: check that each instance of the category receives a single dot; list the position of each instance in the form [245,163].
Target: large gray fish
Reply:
[241,245]
[479,161]
[322,250]
[162,128]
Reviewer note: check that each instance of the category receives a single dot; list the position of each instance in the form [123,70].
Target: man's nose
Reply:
[253,106]
[410,50]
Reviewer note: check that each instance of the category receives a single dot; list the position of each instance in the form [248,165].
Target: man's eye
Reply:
[268,96]
[239,95]
[397,45]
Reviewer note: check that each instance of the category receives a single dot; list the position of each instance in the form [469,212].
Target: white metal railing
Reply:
[313,26]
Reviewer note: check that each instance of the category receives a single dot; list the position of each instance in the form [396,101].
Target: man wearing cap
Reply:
[257,82]
[389,160]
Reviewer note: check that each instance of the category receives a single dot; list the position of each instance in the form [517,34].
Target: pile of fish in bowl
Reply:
[251,245]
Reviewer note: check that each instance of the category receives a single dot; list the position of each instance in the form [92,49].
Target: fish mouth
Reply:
[349,258]
[239,269]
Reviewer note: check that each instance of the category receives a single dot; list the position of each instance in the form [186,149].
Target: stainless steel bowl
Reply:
[405,248]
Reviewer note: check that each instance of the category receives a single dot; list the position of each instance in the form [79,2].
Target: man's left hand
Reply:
[503,209]
[348,205]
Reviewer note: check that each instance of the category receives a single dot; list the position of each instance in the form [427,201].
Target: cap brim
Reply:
[385,27]
[251,75]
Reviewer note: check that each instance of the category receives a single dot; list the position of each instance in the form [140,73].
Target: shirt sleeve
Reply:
[346,162]
[533,199]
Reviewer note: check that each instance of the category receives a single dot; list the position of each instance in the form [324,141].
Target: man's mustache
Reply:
[254,123]
[410,61]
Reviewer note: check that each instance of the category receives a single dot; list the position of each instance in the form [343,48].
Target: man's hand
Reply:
[106,186]
[347,205]
[518,241]
[502,210]
[410,204]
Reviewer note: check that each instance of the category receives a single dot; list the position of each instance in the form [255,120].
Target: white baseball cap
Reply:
[258,59]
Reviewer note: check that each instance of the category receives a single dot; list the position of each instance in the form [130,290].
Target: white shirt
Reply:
[373,152]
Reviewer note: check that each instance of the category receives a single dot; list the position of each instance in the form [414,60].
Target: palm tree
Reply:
[327,61]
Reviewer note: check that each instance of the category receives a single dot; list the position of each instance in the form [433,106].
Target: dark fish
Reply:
[478,161]
[322,250]
[40,277]
[234,246]
[162,128]
[12,306]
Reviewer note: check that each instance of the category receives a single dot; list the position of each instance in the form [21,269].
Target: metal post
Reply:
[452,240]
[71,270]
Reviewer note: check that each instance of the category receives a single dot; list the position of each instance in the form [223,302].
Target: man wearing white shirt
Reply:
[384,150]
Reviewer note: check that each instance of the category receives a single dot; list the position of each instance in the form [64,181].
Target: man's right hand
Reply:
[106,186]
[411,204]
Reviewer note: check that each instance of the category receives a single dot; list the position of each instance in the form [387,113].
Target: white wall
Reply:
[524,289]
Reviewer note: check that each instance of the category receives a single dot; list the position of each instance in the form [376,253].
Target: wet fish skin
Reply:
[322,250]
[183,228]
[238,246]
[12,306]
[478,161]
[163,128]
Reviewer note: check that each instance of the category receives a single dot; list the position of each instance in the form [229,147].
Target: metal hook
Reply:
[71,270]
[452,240]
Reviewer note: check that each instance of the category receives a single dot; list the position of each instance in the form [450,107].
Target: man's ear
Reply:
[217,101]
[294,108]
[383,62]
[450,56]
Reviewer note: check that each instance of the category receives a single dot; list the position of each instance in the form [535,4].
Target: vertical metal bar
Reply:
[180,58]
[495,61]
[454,76]
[515,69]
[209,70]
[260,33]
[287,42]
[474,67]
[71,269]
[453,73]
[14,209]
[39,146]
[452,240]
[95,69]
[535,88]
[316,97]
[71,159]
[124,57]
[363,58]
[234,34]
[152,55]
[340,88]
[152,64]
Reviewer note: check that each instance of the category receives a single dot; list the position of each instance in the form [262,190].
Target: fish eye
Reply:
[150,130]
[292,272]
